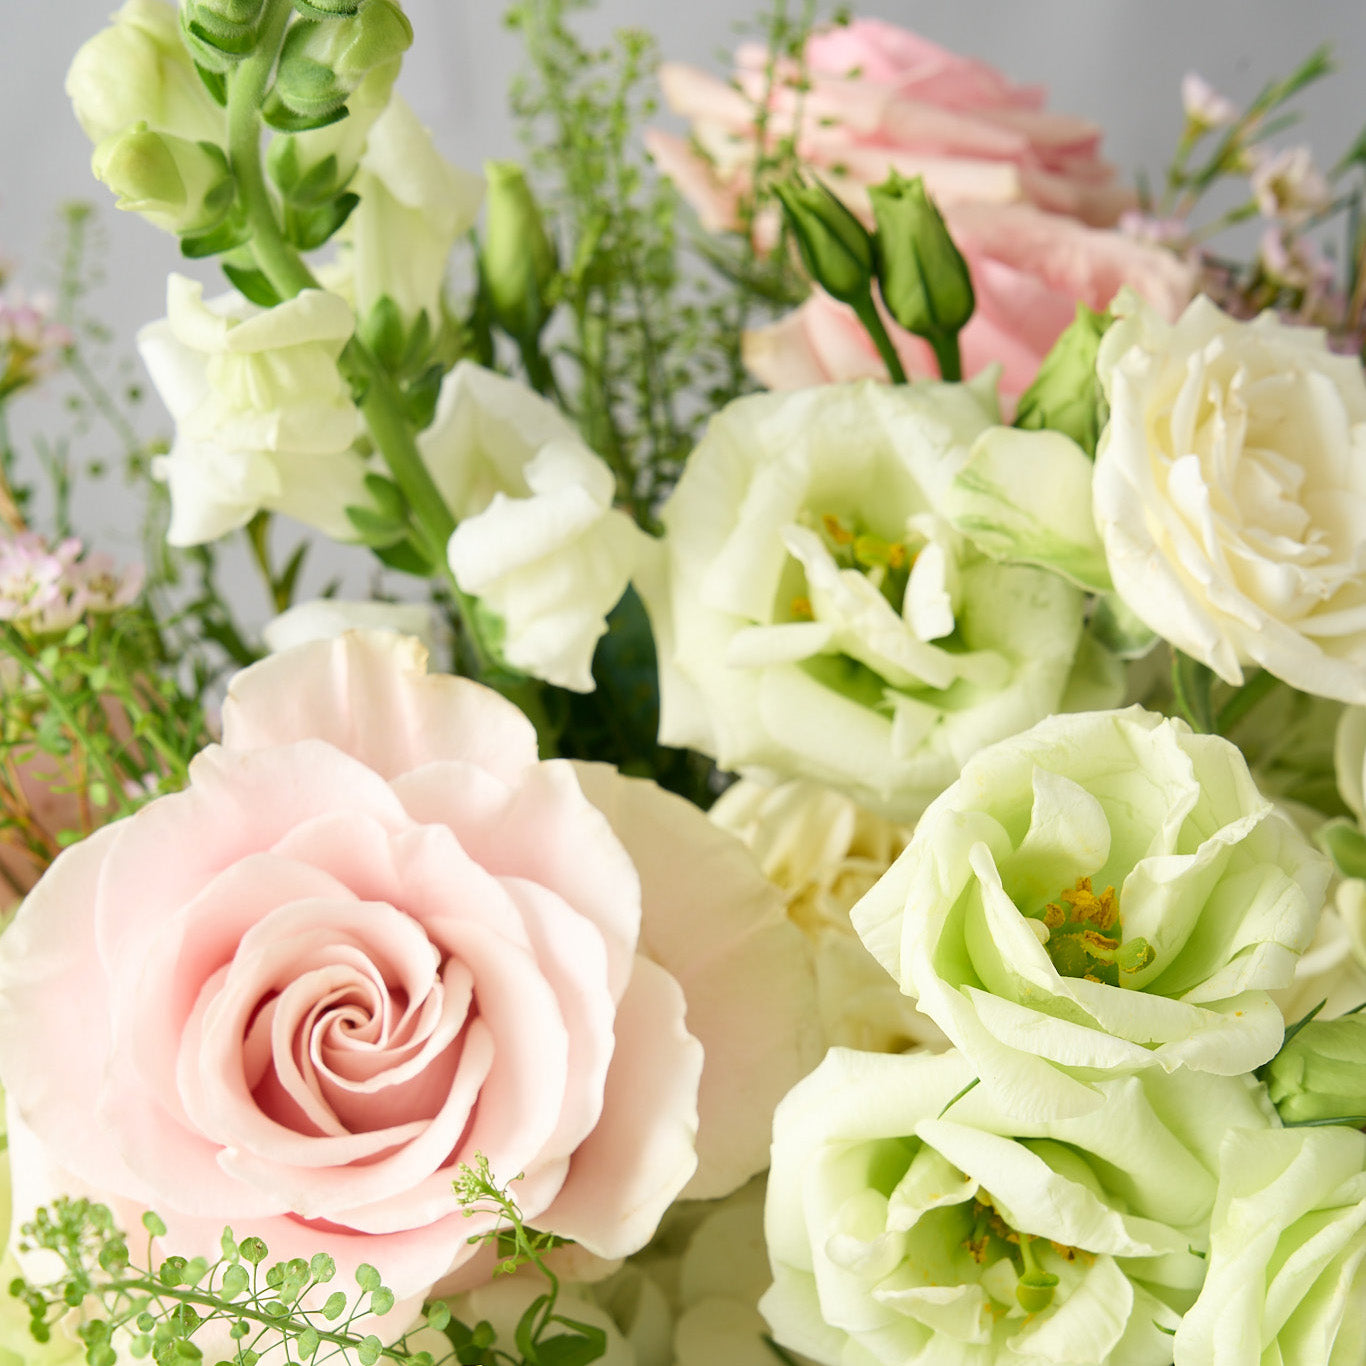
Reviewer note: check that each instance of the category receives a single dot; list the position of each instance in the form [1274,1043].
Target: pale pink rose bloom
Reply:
[1029,271]
[881,99]
[374,937]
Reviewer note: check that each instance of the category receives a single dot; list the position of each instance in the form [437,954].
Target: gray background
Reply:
[1118,62]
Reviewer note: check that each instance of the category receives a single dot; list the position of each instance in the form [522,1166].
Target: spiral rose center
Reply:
[1086,937]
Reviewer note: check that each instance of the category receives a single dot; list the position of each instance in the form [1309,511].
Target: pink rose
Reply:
[1029,271]
[374,937]
[881,98]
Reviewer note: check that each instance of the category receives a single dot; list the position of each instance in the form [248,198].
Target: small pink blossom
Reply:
[31,344]
[46,589]
[1205,107]
[1287,185]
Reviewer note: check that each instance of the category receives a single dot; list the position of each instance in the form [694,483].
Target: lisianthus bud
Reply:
[138,69]
[220,32]
[836,248]
[924,279]
[1319,1076]
[175,184]
[324,60]
[1066,394]
[516,256]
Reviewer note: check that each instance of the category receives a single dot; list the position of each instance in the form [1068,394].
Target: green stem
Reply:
[247,89]
[947,356]
[1242,702]
[258,537]
[872,324]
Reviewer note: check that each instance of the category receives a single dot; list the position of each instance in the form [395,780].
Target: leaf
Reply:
[382,1300]
[374,528]
[367,1277]
[579,1348]
[406,558]
[254,285]
[308,229]
[154,1224]
[1344,843]
[368,1350]
[235,1281]
[335,1306]
[253,1250]
[1191,682]
[278,115]
[322,1268]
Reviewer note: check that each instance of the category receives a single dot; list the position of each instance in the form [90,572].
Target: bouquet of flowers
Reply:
[837,833]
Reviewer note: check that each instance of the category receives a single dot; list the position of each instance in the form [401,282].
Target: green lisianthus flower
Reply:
[819,615]
[906,1226]
[1287,1261]
[1105,893]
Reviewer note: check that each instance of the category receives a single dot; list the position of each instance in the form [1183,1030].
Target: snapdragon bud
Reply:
[220,32]
[138,70]
[327,9]
[1319,1076]
[175,184]
[1066,394]
[324,60]
[516,257]
[835,247]
[924,280]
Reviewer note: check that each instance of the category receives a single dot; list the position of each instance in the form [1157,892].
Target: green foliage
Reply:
[159,1305]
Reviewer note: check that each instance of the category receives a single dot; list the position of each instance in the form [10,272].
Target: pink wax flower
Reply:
[373,938]
[31,344]
[1029,269]
[45,589]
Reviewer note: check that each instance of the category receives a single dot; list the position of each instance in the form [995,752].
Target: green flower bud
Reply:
[323,61]
[220,32]
[924,280]
[1066,394]
[836,248]
[178,185]
[517,257]
[327,9]
[1319,1076]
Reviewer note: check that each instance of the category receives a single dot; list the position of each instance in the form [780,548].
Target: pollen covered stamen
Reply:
[1085,936]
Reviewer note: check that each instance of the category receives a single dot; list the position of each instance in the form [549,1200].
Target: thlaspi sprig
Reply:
[155,1306]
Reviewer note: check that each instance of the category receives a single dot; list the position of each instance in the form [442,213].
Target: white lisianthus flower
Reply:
[819,616]
[326,618]
[1106,893]
[139,70]
[824,852]
[263,417]
[539,542]
[1287,1262]
[1230,492]
[414,206]
[907,1226]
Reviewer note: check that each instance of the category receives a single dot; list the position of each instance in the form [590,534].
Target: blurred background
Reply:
[1118,63]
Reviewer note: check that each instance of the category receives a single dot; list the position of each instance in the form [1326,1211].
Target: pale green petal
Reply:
[1026,496]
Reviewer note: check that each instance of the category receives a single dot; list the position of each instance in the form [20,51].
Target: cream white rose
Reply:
[539,542]
[263,417]
[818,615]
[1230,492]
[906,1226]
[1286,1282]
[1105,893]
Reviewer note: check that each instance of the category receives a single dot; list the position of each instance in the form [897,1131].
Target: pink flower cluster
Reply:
[46,589]
[31,344]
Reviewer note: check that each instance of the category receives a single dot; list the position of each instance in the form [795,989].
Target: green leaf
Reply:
[154,1224]
[216,83]
[308,229]
[579,1348]
[406,558]
[307,1343]
[278,115]
[1344,843]
[382,1300]
[252,284]
[1191,682]
[335,1306]
[253,1250]
[367,1277]
[317,185]
[388,497]
[232,232]
[438,1314]
[367,1352]
[322,1268]
[375,528]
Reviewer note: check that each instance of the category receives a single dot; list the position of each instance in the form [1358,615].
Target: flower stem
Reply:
[873,325]
[947,356]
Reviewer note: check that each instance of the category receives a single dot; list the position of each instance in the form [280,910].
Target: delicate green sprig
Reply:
[158,1305]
